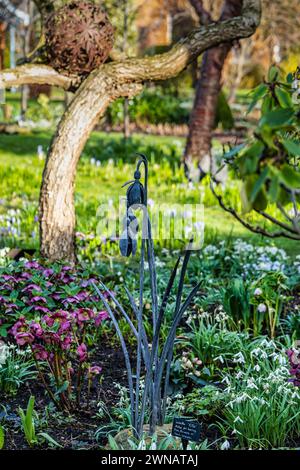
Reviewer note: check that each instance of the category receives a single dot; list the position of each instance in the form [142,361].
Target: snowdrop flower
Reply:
[239,375]
[4,352]
[220,359]
[238,420]
[225,445]
[226,380]
[251,384]
[239,358]
[242,398]
[262,308]
[257,291]
[257,368]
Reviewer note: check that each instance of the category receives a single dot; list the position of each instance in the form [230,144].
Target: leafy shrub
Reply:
[153,106]
[31,290]
[52,310]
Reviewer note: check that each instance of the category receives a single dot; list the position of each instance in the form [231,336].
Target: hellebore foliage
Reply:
[150,356]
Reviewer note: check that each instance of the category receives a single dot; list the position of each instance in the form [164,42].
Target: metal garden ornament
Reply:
[148,382]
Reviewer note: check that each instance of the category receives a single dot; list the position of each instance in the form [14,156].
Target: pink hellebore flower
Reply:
[32,287]
[82,352]
[39,308]
[24,338]
[94,370]
[38,298]
[40,352]
[18,326]
[84,314]
[64,326]
[32,265]
[36,329]
[48,320]
[100,317]
[294,361]
[66,342]
[48,272]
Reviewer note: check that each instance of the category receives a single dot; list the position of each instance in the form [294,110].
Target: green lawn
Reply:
[21,170]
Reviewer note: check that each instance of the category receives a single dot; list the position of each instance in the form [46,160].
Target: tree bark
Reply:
[57,212]
[198,146]
[111,81]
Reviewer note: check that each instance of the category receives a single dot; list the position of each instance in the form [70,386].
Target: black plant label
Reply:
[187,429]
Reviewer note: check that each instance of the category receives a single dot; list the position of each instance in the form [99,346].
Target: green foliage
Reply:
[27,421]
[269,164]
[43,110]
[2,437]
[153,106]
[262,409]
[236,301]
[15,370]
[202,402]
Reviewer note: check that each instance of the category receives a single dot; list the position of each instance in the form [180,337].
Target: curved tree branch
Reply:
[274,221]
[252,228]
[36,74]
[111,81]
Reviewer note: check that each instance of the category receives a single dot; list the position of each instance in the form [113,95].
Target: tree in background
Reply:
[197,155]
[277,40]
[78,41]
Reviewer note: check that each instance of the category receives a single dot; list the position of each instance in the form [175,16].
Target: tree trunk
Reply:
[198,146]
[57,212]
[123,78]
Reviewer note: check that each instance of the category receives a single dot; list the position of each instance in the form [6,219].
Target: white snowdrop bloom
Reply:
[226,380]
[251,384]
[262,308]
[238,420]
[239,358]
[4,353]
[256,367]
[239,375]
[225,445]
[142,445]
[153,446]
[242,398]
[219,358]
[282,360]
[267,344]
[257,291]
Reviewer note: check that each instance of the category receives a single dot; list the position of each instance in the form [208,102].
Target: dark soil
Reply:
[75,431]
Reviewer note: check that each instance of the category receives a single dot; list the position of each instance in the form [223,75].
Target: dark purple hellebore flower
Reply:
[100,317]
[82,352]
[24,338]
